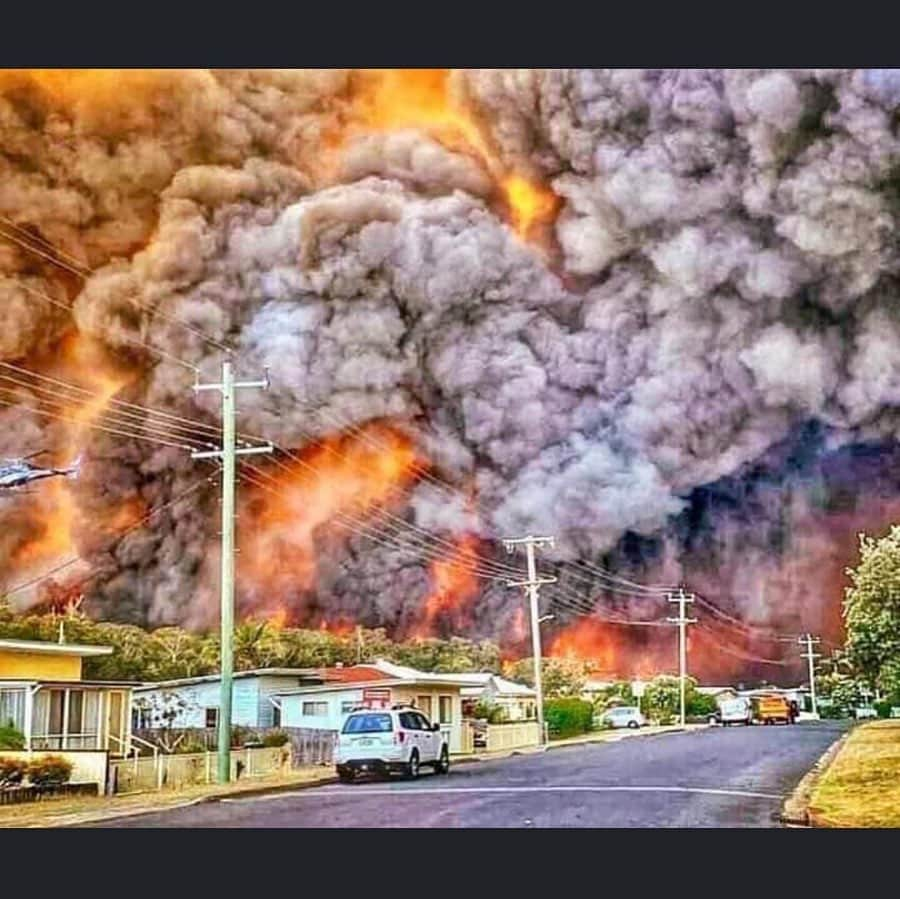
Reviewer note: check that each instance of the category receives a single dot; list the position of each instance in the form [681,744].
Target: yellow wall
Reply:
[39,665]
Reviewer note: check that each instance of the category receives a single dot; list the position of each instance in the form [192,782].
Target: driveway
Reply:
[718,777]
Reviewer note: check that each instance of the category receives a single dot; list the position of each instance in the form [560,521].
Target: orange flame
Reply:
[79,360]
[349,474]
[453,584]
[392,99]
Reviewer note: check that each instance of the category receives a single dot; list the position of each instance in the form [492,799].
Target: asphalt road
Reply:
[718,777]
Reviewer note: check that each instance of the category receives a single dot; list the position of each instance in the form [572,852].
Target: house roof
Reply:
[353,675]
[73,684]
[311,673]
[60,649]
[380,674]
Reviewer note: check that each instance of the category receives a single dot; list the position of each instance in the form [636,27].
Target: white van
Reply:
[738,710]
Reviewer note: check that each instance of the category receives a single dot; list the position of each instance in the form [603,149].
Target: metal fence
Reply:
[308,746]
[176,771]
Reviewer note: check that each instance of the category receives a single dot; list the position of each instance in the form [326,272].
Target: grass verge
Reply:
[861,787]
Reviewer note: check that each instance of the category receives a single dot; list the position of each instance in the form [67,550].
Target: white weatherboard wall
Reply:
[339,701]
[250,699]
[199,697]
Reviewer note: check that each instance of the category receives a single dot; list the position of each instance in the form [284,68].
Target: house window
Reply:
[315,709]
[445,706]
[276,716]
[348,707]
[12,708]
[212,716]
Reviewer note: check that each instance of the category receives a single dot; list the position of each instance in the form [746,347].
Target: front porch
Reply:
[69,715]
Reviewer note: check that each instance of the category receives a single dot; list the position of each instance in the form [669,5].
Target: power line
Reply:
[357,526]
[96,427]
[605,574]
[84,273]
[134,526]
[132,340]
[593,615]
[741,654]
[199,426]
[133,427]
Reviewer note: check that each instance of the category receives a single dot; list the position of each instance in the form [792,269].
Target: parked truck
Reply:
[734,710]
[772,708]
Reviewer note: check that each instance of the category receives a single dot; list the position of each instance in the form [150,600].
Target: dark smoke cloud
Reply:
[732,236]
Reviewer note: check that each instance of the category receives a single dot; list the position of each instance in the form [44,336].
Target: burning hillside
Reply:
[647,311]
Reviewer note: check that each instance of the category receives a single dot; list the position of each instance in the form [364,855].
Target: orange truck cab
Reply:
[771,708]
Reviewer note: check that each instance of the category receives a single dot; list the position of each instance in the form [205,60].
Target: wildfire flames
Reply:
[453,584]
[600,644]
[348,474]
[81,361]
[393,99]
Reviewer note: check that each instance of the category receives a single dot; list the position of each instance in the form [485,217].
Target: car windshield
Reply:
[367,724]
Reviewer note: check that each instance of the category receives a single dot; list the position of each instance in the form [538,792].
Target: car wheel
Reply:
[443,763]
[633,725]
[412,766]
[346,776]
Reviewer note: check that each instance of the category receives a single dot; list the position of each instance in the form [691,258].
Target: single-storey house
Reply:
[518,701]
[43,694]
[194,701]
[719,693]
[45,697]
[325,705]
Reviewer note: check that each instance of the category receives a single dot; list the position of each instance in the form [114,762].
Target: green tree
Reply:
[661,700]
[872,612]
[559,677]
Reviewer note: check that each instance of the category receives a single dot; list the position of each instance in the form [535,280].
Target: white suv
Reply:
[385,740]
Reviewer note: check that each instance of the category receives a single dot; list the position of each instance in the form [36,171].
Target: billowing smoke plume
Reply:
[721,272]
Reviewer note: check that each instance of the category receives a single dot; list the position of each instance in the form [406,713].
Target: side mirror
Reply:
[435,727]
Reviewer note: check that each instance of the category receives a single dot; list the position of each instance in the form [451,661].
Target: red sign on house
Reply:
[376,697]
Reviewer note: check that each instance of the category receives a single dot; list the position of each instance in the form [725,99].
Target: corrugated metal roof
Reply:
[66,649]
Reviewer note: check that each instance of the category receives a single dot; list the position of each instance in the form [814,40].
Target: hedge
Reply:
[568,716]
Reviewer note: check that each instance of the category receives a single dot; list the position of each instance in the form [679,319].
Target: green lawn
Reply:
[861,788]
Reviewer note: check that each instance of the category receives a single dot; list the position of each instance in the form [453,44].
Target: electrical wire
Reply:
[741,654]
[96,427]
[150,410]
[113,419]
[132,340]
[359,527]
[84,273]
[119,536]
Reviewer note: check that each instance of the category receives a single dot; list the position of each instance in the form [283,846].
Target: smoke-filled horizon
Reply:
[650,312]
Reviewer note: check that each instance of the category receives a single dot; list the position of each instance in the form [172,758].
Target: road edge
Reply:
[795,811]
[270,789]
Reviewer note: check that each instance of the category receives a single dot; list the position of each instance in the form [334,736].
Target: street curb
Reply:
[531,750]
[332,779]
[199,800]
[274,788]
[796,811]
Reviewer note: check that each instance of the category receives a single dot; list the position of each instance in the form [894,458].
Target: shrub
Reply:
[191,745]
[11,737]
[12,771]
[700,705]
[49,769]
[568,716]
[490,712]
[241,735]
[275,738]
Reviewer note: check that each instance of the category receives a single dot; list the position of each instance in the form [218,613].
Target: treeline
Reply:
[172,652]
